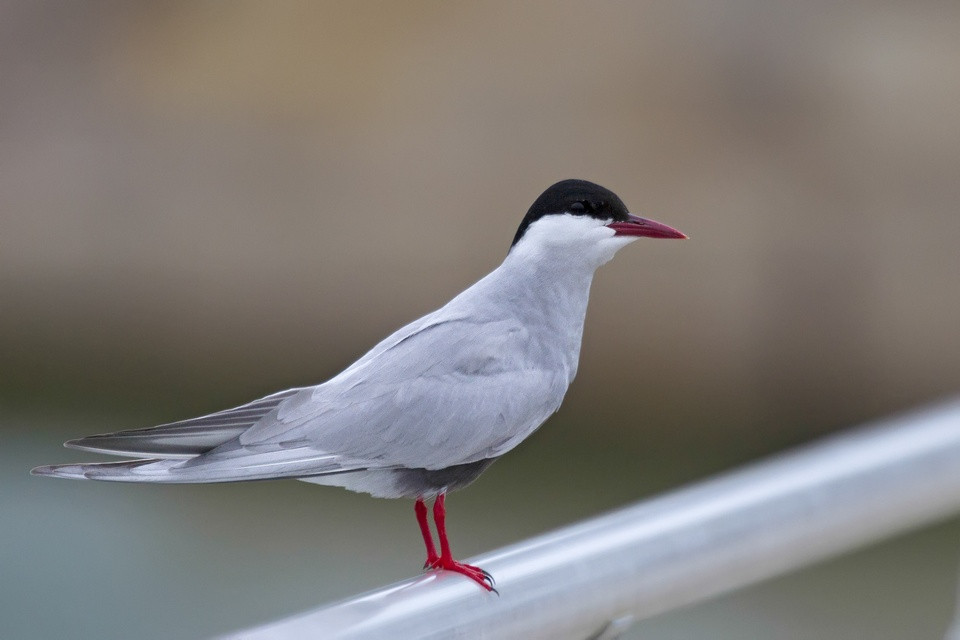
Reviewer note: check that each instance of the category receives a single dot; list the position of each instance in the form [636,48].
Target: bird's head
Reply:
[576,218]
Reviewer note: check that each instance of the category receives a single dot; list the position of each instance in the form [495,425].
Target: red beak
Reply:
[637,226]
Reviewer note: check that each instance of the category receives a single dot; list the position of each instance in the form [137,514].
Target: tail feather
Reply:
[252,466]
[147,470]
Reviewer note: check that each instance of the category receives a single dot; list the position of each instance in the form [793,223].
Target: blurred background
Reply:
[201,203]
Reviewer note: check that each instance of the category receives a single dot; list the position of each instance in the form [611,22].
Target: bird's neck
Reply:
[555,288]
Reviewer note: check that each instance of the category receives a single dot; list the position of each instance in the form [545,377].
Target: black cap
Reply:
[574,197]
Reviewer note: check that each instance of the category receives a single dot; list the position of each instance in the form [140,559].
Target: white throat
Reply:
[581,240]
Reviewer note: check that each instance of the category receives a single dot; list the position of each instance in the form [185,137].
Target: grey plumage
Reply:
[429,407]
[186,438]
[460,385]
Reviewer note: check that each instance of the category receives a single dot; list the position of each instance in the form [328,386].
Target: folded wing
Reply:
[453,393]
[438,393]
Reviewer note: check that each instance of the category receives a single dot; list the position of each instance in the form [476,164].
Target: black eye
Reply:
[579,208]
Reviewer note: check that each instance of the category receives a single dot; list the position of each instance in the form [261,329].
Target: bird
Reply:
[430,407]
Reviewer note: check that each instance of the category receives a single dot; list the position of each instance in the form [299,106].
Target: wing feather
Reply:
[450,393]
[440,392]
[185,438]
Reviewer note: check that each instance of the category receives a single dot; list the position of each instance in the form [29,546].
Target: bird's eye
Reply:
[579,208]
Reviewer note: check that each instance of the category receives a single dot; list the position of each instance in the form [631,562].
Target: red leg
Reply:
[446,561]
[421,510]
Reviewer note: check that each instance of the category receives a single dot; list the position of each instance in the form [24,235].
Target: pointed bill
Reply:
[637,226]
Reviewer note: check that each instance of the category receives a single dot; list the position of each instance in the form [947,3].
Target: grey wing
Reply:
[186,438]
[439,392]
[452,392]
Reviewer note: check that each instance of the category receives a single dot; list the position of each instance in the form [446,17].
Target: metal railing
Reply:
[590,580]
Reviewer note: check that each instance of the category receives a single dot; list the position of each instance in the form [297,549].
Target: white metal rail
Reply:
[761,521]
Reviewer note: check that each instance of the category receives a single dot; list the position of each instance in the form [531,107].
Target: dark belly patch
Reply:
[427,482]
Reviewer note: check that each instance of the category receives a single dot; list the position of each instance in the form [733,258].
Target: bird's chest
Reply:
[555,336]
[542,347]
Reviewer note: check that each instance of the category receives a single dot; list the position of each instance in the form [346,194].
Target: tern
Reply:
[429,408]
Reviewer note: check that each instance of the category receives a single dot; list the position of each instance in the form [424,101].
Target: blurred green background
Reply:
[201,203]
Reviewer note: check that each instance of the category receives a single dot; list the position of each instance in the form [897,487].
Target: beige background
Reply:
[205,202]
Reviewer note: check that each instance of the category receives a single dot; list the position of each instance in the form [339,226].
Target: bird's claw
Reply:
[478,575]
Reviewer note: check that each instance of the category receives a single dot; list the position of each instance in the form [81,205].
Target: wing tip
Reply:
[110,445]
[142,470]
[93,444]
[73,471]
[90,444]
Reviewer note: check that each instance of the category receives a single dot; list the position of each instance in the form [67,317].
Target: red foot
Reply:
[478,575]
[444,560]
